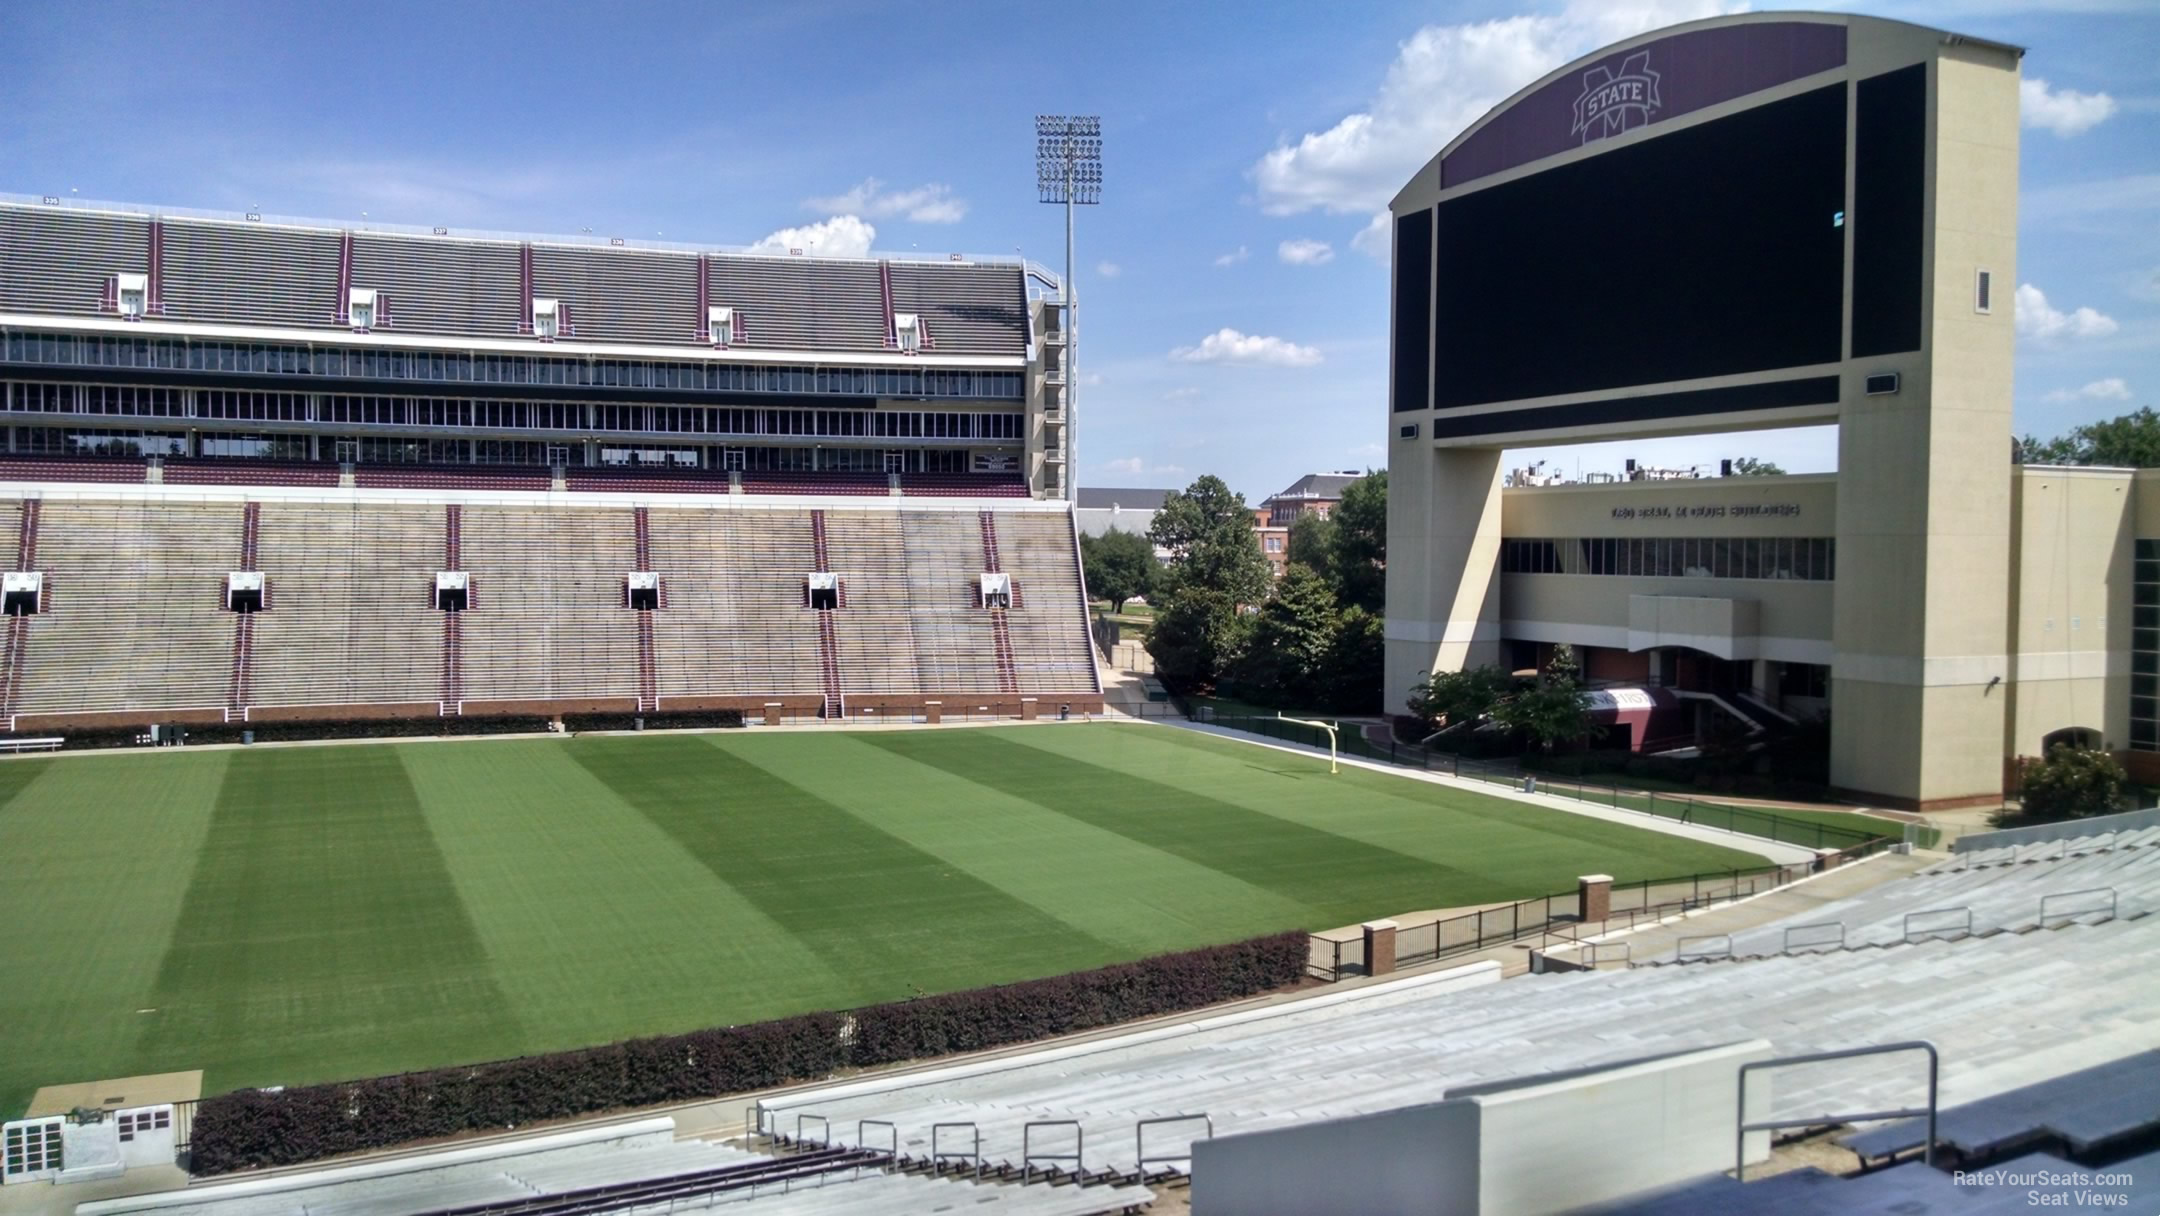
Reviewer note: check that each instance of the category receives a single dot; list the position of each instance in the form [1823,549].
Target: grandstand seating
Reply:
[548,619]
[351,620]
[1986,1001]
[73,468]
[734,623]
[251,273]
[441,285]
[816,483]
[450,477]
[135,620]
[213,472]
[969,308]
[955,639]
[1050,644]
[876,631]
[802,304]
[965,485]
[649,481]
[59,261]
[134,614]
[621,295]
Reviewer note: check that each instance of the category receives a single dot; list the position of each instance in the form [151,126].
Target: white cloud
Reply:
[2043,322]
[1133,466]
[842,236]
[1229,346]
[1234,256]
[1443,79]
[1375,240]
[2066,112]
[2110,389]
[930,203]
[1305,252]
[1109,270]
[1181,394]
[1091,379]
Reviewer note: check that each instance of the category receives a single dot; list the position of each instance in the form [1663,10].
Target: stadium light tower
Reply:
[1068,170]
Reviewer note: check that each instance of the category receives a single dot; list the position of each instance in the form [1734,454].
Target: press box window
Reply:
[244,591]
[1407,431]
[452,591]
[23,592]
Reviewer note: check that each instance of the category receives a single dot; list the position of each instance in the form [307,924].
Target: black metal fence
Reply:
[1762,822]
[1632,903]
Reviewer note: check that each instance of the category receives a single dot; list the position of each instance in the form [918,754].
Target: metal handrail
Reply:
[1827,924]
[937,1156]
[1593,956]
[863,1125]
[1772,1125]
[2107,891]
[1680,948]
[827,1128]
[1965,928]
[1028,1154]
[1140,1157]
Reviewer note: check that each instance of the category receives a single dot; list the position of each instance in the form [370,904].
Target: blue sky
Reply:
[1234,313]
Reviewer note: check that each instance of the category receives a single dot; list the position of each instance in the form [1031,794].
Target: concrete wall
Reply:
[2071,556]
[1541,1145]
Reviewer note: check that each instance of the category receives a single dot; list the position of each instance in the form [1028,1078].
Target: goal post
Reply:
[1330,727]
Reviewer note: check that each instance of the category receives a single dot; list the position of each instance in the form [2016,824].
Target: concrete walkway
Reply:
[1773,851]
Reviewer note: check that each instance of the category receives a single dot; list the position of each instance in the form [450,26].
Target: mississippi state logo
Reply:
[1614,102]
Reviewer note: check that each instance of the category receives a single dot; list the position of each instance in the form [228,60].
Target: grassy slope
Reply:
[300,914]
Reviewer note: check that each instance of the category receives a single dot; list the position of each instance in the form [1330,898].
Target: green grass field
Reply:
[296,914]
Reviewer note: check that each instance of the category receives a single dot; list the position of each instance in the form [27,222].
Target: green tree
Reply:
[1551,711]
[1357,664]
[1748,466]
[1312,545]
[1450,698]
[1197,635]
[1207,530]
[1361,544]
[1293,641]
[2073,783]
[2131,441]
[1119,564]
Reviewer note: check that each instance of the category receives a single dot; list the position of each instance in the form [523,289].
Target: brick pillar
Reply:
[772,713]
[933,712]
[1027,709]
[1379,947]
[1595,893]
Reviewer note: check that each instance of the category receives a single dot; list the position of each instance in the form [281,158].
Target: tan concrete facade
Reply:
[1917,627]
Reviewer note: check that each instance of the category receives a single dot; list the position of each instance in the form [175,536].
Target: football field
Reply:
[283,915]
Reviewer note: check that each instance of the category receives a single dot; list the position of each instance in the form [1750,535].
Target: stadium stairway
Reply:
[1907,1190]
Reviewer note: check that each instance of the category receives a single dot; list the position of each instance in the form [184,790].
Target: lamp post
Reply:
[1068,170]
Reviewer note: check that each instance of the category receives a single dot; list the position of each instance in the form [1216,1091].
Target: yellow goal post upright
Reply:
[1329,727]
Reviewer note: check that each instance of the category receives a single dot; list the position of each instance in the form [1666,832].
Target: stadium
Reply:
[813,870]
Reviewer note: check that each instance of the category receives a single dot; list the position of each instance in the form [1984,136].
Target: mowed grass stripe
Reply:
[1518,844]
[1336,876]
[1139,898]
[95,854]
[321,936]
[887,917]
[599,924]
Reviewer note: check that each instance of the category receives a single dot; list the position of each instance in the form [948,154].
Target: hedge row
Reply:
[686,720]
[255,1128]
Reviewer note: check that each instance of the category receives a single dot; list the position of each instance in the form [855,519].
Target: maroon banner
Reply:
[1644,85]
